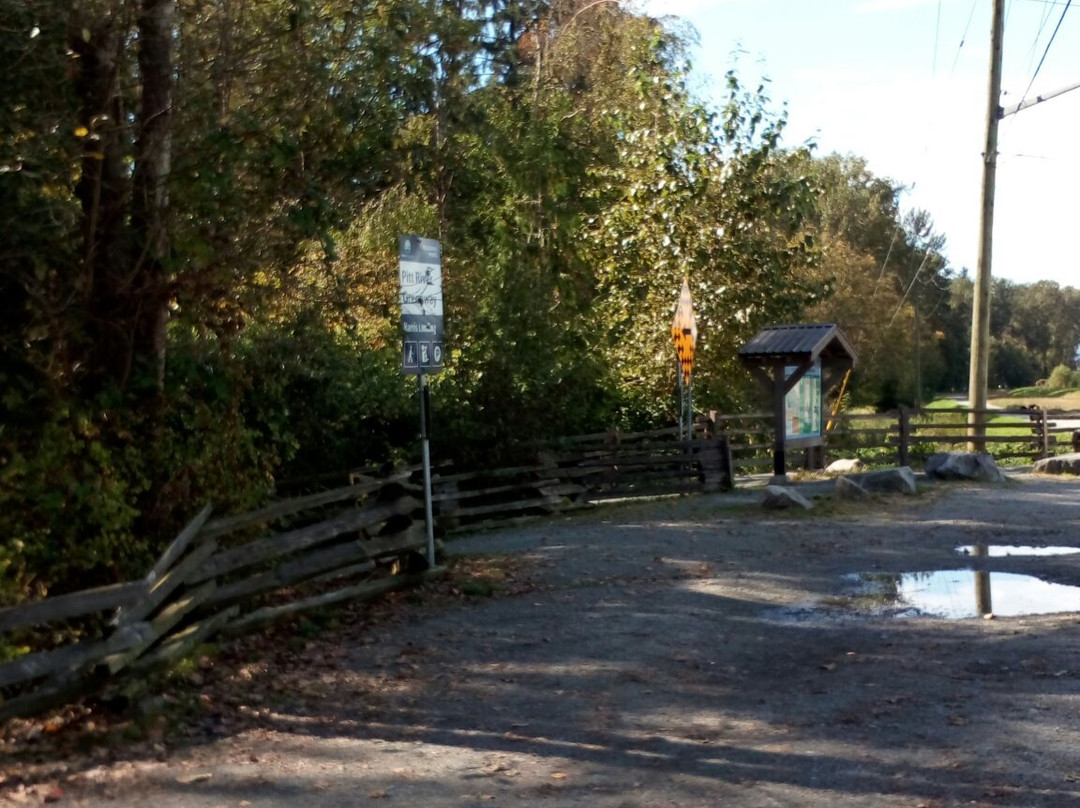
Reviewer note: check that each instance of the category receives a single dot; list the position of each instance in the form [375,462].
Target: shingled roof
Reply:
[800,343]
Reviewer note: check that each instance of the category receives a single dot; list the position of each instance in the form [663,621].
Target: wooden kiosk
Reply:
[798,365]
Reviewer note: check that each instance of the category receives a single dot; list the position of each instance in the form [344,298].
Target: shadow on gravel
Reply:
[676,657]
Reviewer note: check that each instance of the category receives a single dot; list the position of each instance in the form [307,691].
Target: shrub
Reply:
[1063,377]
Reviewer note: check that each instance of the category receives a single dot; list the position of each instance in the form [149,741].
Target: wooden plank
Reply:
[475,493]
[871,431]
[631,456]
[179,545]
[999,426]
[541,503]
[491,474]
[276,510]
[344,572]
[161,625]
[312,565]
[185,641]
[409,539]
[271,547]
[364,591]
[167,584]
[61,607]
[450,504]
[627,481]
[62,660]
[54,693]
[523,519]
[307,566]
[965,439]
[562,489]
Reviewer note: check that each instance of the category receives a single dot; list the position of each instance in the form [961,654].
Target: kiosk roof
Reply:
[804,342]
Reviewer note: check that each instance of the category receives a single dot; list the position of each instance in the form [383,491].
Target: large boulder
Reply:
[845,465]
[780,497]
[888,481]
[963,466]
[1060,464]
[847,488]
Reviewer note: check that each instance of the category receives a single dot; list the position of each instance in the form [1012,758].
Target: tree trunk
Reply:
[125,231]
[150,197]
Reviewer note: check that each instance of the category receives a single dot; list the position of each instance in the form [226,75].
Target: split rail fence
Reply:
[906,436]
[230,575]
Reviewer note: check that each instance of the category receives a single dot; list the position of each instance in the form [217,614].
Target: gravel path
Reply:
[693,652]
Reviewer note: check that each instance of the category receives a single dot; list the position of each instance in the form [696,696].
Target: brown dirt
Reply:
[695,652]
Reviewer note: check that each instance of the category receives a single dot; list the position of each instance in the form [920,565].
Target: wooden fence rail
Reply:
[905,434]
[221,575]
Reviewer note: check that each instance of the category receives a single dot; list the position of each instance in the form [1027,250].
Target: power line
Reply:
[963,38]
[1038,34]
[926,146]
[1057,28]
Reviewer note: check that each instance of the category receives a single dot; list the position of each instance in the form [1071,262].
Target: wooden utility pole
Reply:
[980,316]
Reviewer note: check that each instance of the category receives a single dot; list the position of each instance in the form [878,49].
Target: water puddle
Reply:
[1001,550]
[965,593]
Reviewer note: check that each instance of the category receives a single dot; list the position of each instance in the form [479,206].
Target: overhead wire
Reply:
[930,246]
[1053,36]
[933,73]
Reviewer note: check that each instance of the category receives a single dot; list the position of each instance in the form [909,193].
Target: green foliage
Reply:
[159,353]
[91,494]
[1063,377]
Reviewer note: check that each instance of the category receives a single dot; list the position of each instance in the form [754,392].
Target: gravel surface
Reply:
[686,652]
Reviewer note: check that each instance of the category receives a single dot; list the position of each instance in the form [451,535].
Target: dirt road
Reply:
[696,652]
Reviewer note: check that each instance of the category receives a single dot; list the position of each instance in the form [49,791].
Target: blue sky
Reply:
[903,83]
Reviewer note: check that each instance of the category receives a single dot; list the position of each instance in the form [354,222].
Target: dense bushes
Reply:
[1063,377]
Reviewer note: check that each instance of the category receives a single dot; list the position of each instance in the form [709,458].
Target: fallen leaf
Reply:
[558,776]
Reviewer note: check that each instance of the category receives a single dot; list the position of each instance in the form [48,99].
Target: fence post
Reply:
[1044,432]
[905,434]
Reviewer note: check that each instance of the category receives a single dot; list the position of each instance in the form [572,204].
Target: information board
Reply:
[420,275]
[803,405]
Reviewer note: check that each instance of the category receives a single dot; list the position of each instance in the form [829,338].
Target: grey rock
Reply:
[845,465]
[779,497]
[963,466]
[888,481]
[1060,464]
[849,489]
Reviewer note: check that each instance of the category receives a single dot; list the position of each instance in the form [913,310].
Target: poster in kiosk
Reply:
[420,273]
[803,404]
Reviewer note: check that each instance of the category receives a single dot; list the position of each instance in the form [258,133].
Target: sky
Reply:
[903,84]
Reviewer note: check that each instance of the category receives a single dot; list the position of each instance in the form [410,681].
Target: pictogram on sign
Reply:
[684,332]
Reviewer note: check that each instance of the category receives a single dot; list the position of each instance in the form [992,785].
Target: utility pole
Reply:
[980,316]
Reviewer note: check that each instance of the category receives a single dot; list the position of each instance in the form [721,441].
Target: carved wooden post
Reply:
[905,434]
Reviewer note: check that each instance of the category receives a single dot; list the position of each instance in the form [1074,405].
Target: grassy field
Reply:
[1062,400]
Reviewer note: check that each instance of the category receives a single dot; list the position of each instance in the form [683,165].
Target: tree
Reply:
[885,279]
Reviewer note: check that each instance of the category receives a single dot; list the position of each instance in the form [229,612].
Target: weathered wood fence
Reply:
[228,575]
[574,472]
[906,435]
[223,575]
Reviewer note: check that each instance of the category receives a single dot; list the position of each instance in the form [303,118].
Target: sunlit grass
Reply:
[1042,398]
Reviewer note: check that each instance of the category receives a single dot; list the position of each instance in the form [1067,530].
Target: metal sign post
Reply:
[429,521]
[420,275]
